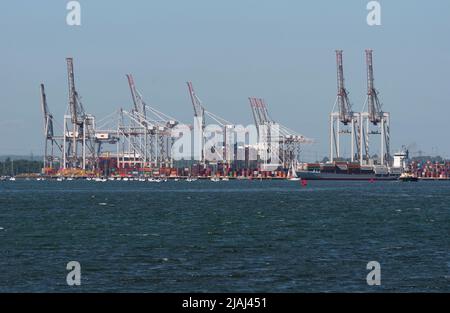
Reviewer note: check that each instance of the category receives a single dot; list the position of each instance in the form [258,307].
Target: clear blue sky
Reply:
[280,50]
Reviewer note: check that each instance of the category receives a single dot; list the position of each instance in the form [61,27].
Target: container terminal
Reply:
[138,142]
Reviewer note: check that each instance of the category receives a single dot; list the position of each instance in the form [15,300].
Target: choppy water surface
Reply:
[236,236]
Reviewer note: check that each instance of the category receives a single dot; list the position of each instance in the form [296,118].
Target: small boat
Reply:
[59,179]
[225,179]
[215,179]
[12,178]
[406,177]
[292,175]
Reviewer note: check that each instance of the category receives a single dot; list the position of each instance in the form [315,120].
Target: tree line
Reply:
[15,167]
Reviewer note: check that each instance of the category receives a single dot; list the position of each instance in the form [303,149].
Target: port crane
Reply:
[226,129]
[374,121]
[199,120]
[50,139]
[266,128]
[82,130]
[343,121]
[141,134]
[274,139]
[147,131]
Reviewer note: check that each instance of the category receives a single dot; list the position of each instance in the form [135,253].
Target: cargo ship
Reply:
[347,171]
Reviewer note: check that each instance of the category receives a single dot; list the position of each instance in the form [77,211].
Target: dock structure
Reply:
[141,140]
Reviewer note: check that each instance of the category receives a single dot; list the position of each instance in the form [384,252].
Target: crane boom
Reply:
[264,112]
[76,109]
[133,91]
[373,103]
[199,110]
[139,105]
[259,110]
[255,111]
[345,109]
[48,118]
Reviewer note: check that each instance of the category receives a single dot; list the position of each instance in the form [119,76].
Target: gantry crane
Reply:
[82,129]
[76,115]
[222,152]
[275,140]
[342,118]
[199,121]
[374,121]
[49,134]
[148,131]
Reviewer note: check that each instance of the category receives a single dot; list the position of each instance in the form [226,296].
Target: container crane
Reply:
[342,118]
[199,119]
[149,130]
[227,127]
[48,131]
[286,142]
[83,127]
[374,121]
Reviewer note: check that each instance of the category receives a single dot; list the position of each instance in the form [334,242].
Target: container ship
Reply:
[347,171]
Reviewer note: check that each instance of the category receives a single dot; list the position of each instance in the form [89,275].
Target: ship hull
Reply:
[309,175]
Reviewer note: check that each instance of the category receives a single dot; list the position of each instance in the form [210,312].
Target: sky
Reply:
[282,51]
